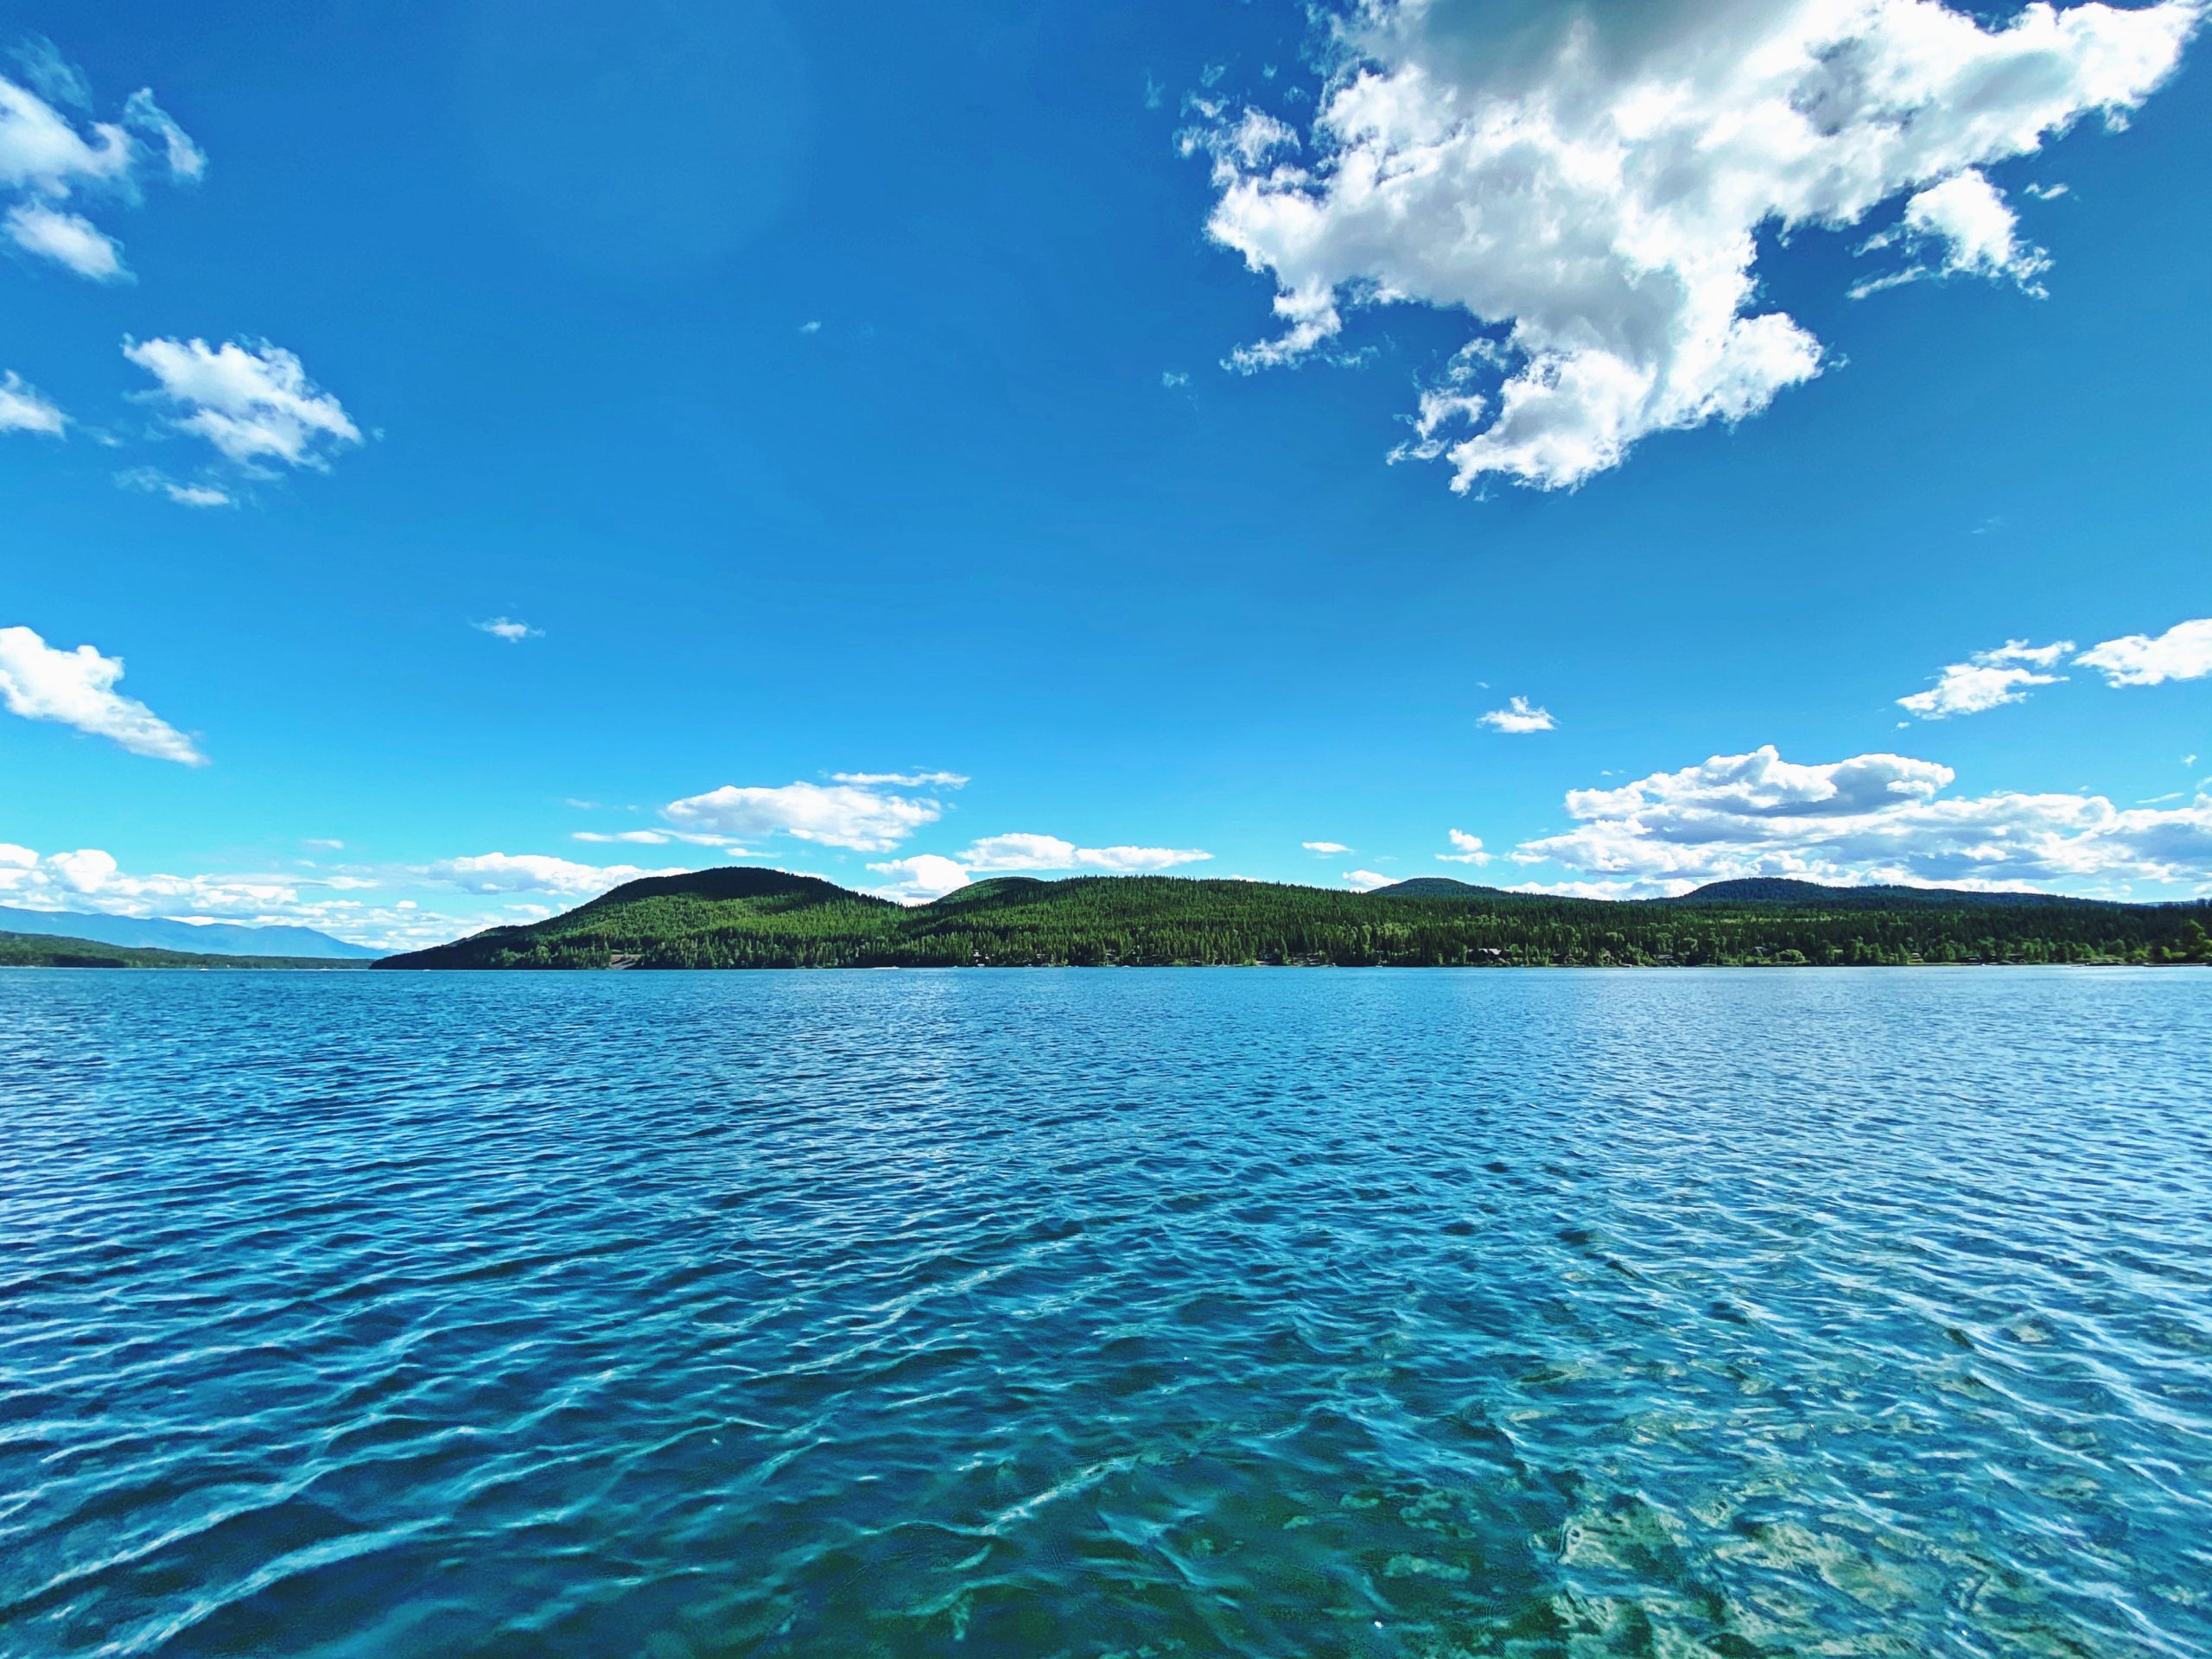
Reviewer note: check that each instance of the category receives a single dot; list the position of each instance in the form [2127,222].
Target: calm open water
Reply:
[1130,1314]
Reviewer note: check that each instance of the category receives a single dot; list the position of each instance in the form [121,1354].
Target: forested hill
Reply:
[744,918]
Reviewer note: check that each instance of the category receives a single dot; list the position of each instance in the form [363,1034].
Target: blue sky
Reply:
[905,395]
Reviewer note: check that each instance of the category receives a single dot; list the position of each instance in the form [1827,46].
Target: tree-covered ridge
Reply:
[763,919]
[54,950]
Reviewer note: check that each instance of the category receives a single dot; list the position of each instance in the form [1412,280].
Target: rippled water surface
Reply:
[1135,1313]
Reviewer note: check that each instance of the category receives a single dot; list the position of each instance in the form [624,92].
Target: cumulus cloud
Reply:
[1873,818]
[1465,849]
[998,855]
[49,165]
[89,879]
[253,401]
[359,903]
[1368,880]
[2182,652]
[1518,716]
[1328,849]
[1601,889]
[1965,227]
[486,872]
[930,875]
[919,879]
[23,408]
[1989,679]
[506,628]
[1589,184]
[77,688]
[866,818]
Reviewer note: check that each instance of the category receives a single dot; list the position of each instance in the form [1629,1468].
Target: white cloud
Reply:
[77,688]
[47,165]
[69,880]
[903,779]
[185,159]
[1327,848]
[51,75]
[155,482]
[251,400]
[68,240]
[1873,818]
[919,879]
[1019,852]
[1989,679]
[41,150]
[930,875]
[2182,652]
[324,843]
[1001,853]
[506,628]
[1171,379]
[1519,717]
[1964,222]
[1466,849]
[89,879]
[862,816]
[809,327]
[1368,880]
[23,408]
[485,872]
[1589,186]
[1603,889]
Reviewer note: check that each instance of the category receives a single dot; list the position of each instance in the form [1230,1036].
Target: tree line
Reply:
[1166,921]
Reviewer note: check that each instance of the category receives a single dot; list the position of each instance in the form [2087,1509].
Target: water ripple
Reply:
[1205,1312]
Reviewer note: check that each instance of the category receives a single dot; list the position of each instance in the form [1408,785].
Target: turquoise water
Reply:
[1172,1312]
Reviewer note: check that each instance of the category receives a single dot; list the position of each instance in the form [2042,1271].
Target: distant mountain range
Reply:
[56,950]
[750,917]
[1780,893]
[202,938]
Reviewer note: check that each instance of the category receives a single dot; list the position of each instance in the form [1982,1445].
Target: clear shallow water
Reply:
[1106,1314]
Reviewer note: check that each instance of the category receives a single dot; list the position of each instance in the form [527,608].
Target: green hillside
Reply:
[49,950]
[765,919]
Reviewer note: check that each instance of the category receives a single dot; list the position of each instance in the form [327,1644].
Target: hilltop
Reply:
[1782,893]
[748,917]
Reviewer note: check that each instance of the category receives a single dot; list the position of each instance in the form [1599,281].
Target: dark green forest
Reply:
[765,918]
[50,950]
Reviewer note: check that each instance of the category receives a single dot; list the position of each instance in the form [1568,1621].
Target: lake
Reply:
[1201,1312]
